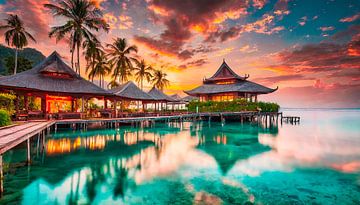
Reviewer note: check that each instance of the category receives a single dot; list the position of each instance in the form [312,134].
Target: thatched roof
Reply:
[159,95]
[242,86]
[224,72]
[52,75]
[130,91]
[189,98]
[176,97]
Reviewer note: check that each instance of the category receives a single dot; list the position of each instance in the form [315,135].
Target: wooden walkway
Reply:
[13,136]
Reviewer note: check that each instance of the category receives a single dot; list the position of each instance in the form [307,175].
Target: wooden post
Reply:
[105,103]
[115,110]
[17,103]
[72,104]
[26,102]
[28,156]
[82,103]
[43,105]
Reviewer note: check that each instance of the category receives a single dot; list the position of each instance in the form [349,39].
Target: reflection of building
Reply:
[227,146]
[226,85]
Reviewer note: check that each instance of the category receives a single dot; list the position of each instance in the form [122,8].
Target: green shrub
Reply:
[4,118]
[7,102]
[232,106]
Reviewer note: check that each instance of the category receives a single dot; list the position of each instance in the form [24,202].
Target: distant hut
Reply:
[226,85]
[189,98]
[129,91]
[56,84]
[160,97]
[177,104]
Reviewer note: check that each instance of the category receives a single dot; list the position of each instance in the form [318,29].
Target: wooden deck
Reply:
[13,136]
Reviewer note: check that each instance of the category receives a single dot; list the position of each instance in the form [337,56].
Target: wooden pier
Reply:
[12,136]
[15,135]
[290,119]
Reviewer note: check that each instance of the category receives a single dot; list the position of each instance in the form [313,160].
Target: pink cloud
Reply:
[351,18]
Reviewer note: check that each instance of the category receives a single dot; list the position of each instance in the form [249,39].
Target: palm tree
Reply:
[82,16]
[92,50]
[100,69]
[120,59]
[16,35]
[113,84]
[142,71]
[159,80]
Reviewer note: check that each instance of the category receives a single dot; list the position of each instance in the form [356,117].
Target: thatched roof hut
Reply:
[132,92]
[176,97]
[159,95]
[52,75]
[189,98]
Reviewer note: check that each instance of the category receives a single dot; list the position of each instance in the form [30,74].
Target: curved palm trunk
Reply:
[72,59]
[78,58]
[141,80]
[16,63]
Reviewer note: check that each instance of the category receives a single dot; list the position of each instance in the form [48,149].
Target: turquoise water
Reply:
[315,162]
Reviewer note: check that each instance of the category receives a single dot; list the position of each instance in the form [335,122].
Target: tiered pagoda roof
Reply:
[225,80]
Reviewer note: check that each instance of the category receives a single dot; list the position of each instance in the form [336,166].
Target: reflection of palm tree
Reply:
[97,177]
[121,181]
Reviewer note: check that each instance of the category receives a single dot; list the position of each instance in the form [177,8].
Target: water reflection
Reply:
[189,163]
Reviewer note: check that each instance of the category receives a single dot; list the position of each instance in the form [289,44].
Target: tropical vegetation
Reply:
[120,58]
[6,108]
[25,56]
[159,80]
[4,118]
[142,71]
[16,35]
[82,17]
[232,106]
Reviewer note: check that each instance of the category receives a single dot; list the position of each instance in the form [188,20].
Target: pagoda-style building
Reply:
[226,85]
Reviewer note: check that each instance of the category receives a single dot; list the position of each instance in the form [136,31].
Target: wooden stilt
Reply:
[28,155]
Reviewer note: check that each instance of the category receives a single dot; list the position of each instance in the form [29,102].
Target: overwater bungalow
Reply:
[62,92]
[130,92]
[161,98]
[226,85]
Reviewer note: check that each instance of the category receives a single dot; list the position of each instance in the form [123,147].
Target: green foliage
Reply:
[7,102]
[232,106]
[23,64]
[4,118]
[31,54]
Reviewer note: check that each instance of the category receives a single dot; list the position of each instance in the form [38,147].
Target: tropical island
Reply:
[178,102]
[57,90]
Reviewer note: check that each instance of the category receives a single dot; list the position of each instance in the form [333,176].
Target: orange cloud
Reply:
[125,22]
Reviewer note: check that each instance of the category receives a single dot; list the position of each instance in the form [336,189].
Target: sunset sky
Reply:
[310,49]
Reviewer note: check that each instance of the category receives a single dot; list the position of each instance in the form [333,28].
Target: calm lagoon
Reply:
[314,162]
